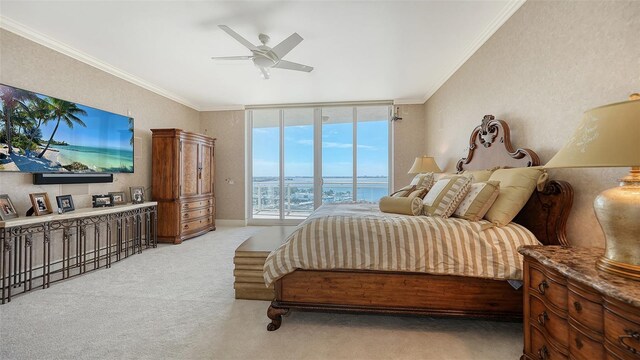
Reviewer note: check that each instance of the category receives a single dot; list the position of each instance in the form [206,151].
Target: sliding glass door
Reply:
[298,163]
[302,157]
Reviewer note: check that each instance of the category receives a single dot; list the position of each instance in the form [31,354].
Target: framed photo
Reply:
[65,203]
[101,200]
[118,197]
[7,210]
[137,194]
[40,203]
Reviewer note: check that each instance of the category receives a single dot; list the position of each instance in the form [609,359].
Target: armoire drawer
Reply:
[550,286]
[195,204]
[197,225]
[196,213]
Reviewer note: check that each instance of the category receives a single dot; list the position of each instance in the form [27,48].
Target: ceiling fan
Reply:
[265,57]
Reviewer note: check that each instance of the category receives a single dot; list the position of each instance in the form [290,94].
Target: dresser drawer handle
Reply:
[579,343]
[543,286]
[577,306]
[186,226]
[630,334]
[186,215]
[542,318]
[543,353]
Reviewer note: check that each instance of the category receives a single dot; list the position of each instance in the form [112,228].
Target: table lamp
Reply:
[609,136]
[424,164]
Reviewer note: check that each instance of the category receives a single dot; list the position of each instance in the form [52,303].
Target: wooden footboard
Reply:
[394,293]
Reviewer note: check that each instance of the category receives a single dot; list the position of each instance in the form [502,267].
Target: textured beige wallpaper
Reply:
[228,127]
[28,65]
[408,142]
[551,61]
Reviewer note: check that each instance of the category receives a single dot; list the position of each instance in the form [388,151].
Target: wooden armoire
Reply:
[182,173]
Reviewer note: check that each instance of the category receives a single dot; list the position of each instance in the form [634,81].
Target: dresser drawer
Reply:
[196,213]
[549,285]
[547,320]
[583,347]
[585,312]
[622,334]
[195,204]
[197,225]
[541,348]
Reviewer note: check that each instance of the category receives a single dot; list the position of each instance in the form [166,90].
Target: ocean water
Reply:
[300,189]
[97,159]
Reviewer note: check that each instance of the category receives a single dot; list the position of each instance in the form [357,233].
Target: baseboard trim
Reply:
[228,222]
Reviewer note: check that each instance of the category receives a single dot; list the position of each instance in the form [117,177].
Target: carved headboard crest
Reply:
[490,146]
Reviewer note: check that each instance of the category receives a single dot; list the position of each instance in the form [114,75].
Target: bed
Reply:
[483,291]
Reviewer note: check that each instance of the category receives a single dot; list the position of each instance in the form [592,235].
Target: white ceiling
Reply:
[361,50]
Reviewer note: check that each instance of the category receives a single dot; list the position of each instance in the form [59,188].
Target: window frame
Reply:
[317,155]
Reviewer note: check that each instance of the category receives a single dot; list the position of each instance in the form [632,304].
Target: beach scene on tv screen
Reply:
[42,134]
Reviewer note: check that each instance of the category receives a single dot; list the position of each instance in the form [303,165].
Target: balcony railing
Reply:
[298,196]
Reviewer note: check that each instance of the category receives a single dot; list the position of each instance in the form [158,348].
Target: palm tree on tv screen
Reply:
[63,111]
[39,111]
[11,97]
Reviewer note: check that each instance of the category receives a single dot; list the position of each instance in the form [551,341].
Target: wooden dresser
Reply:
[572,311]
[183,184]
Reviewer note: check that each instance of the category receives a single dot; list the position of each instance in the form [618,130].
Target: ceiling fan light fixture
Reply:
[265,57]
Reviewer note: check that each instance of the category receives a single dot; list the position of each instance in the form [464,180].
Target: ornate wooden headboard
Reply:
[547,211]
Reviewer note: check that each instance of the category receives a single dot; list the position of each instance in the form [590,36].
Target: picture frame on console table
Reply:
[119,197]
[41,204]
[101,200]
[65,203]
[7,210]
[137,194]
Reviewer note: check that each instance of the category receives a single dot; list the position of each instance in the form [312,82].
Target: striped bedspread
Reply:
[359,236]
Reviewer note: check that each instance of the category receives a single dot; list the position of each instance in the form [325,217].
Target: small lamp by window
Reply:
[424,164]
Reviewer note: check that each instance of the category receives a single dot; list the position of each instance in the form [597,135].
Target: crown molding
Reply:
[222,108]
[44,40]
[408,102]
[497,22]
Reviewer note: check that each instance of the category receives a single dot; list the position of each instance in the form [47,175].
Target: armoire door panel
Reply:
[189,170]
[206,169]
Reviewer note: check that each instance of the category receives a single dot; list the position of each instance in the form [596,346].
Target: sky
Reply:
[104,129]
[337,147]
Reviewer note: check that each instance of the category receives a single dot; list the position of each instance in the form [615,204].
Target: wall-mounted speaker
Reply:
[49,179]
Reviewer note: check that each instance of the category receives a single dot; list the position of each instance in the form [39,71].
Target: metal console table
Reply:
[38,251]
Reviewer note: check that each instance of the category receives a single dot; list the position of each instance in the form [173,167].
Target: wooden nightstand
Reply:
[572,311]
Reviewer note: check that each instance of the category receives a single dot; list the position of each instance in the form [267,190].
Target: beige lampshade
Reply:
[608,136]
[424,164]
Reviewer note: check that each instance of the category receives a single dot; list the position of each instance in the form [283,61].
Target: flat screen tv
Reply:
[43,134]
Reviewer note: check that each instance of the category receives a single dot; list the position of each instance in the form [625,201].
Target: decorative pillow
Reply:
[401,205]
[423,180]
[419,186]
[479,175]
[445,196]
[404,192]
[516,187]
[478,201]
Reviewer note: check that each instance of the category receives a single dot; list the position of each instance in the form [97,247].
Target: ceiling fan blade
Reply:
[284,64]
[287,45]
[238,37]
[265,73]
[248,57]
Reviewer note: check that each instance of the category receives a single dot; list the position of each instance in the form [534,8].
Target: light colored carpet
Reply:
[176,302]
